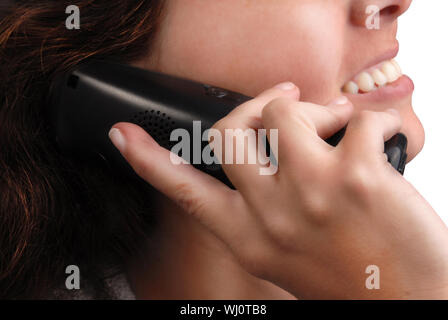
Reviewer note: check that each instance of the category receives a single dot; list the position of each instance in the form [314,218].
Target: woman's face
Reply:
[250,45]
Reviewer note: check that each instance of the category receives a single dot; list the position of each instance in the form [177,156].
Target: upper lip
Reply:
[387,55]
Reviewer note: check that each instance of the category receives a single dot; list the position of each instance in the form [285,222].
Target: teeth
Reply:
[379,78]
[390,71]
[397,66]
[351,87]
[367,81]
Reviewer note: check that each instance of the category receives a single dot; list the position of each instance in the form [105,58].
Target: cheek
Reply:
[318,53]
[251,50]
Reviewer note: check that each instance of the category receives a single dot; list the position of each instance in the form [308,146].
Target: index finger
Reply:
[255,106]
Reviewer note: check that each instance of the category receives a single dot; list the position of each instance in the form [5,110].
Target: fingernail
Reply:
[286,86]
[340,101]
[117,139]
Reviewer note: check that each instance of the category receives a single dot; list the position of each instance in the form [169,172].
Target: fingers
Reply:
[239,130]
[256,105]
[303,126]
[367,132]
[209,200]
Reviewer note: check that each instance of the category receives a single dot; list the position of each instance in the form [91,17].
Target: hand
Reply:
[327,214]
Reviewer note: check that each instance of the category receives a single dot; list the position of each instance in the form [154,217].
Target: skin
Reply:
[249,46]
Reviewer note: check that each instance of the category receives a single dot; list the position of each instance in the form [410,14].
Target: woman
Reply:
[309,231]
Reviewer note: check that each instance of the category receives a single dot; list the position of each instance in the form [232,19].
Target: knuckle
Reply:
[220,125]
[300,112]
[368,117]
[316,209]
[255,260]
[185,197]
[366,121]
[339,118]
[283,233]
[305,121]
[314,190]
[278,107]
[359,182]
[254,122]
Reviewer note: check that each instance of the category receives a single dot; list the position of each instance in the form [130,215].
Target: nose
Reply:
[389,10]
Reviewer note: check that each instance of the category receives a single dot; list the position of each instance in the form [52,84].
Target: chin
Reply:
[414,131]
[397,95]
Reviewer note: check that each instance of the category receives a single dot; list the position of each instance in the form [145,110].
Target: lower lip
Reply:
[399,89]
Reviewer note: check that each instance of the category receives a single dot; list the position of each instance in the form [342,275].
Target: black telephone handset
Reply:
[85,103]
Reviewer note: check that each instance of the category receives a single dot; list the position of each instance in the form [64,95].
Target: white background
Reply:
[423,36]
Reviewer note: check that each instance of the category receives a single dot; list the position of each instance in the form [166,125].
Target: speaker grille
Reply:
[157,124]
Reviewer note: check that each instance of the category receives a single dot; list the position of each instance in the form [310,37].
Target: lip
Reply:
[388,55]
[401,88]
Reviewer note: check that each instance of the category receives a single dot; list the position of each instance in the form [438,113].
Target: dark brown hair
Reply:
[55,211]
